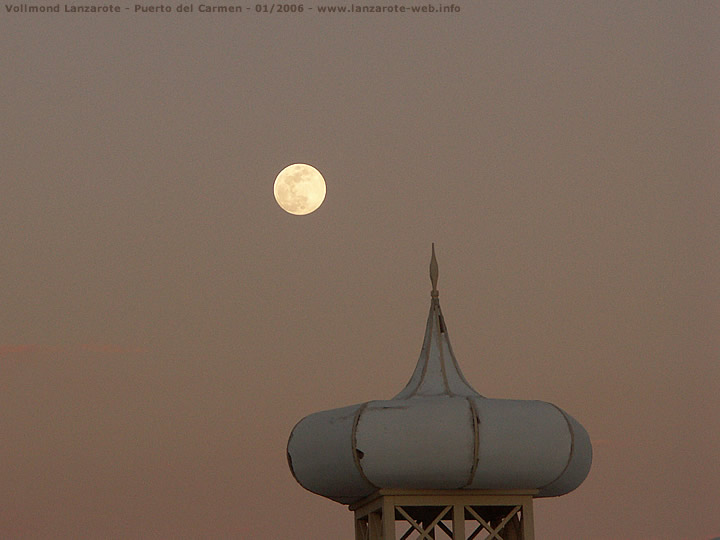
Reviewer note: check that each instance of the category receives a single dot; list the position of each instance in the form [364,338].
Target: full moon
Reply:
[299,189]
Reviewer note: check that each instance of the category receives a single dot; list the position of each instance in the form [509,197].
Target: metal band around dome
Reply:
[353,439]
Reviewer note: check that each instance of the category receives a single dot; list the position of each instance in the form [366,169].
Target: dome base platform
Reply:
[437,514]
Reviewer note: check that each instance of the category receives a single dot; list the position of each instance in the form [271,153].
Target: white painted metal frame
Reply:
[501,515]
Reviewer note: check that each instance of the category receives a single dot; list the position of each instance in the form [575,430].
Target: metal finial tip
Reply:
[434,272]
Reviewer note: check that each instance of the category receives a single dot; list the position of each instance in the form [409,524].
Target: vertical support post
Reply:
[528,522]
[459,522]
[375,526]
[388,518]
[360,530]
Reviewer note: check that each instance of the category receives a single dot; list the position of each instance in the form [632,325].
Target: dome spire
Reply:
[437,372]
[434,273]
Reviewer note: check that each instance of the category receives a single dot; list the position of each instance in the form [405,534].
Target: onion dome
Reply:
[439,433]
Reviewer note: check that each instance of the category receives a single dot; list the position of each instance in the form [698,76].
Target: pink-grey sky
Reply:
[164,323]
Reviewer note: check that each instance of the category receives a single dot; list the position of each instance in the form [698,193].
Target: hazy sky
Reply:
[164,324]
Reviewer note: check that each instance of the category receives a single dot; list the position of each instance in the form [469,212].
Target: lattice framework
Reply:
[436,515]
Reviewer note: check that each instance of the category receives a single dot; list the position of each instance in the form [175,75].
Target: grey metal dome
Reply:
[439,433]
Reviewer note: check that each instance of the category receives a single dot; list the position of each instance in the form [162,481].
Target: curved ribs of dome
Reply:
[437,372]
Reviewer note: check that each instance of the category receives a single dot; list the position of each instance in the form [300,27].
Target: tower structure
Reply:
[439,460]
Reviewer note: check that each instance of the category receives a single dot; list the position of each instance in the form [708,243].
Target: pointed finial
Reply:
[434,273]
